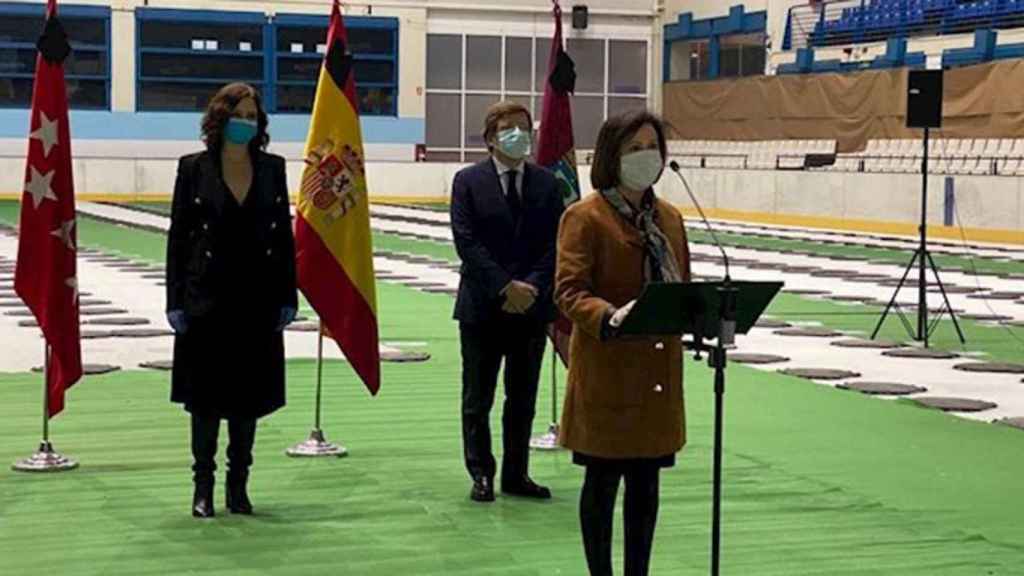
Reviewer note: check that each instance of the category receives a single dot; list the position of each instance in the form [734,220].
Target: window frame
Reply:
[351,22]
[214,17]
[535,95]
[102,13]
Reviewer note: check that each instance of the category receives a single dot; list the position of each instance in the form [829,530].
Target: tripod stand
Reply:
[923,258]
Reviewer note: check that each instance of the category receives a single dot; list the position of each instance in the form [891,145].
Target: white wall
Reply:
[985,202]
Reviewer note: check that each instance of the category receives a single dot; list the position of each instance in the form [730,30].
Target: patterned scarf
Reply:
[660,264]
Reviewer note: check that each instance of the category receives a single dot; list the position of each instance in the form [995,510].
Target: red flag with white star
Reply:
[46,278]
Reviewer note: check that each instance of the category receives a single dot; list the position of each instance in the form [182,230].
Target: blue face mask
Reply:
[240,131]
[514,143]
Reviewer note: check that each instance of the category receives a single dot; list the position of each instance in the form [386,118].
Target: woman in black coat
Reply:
[230,289]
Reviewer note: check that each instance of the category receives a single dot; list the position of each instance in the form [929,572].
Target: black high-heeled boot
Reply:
[202,499]
[236,495]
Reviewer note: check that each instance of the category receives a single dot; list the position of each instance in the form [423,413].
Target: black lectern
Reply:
[707,310]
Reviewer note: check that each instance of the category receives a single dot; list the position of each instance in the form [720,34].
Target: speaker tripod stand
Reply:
[923,258]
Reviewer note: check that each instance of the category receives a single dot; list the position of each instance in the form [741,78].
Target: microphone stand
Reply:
[717,359]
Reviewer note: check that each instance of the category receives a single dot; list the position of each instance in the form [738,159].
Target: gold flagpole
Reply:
[45,459]
[317,445]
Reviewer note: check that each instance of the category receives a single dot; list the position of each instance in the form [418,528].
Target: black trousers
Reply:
[597,510]
[521,346]
[241,437]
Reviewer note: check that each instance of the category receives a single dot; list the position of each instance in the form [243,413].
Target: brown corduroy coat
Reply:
[624,397]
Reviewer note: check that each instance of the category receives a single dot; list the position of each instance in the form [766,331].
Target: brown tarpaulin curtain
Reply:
[983,101]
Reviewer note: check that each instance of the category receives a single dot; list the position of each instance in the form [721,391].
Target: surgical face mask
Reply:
[240,131]
[638,171]
[514,143]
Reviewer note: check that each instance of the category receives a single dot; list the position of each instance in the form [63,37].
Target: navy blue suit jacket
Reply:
[495,249]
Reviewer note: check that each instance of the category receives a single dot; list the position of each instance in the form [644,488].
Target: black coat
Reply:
[495,249]
[231,269]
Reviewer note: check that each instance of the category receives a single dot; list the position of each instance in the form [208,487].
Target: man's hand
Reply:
[519,297]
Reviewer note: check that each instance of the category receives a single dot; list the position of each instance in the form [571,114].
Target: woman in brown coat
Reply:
[623,413]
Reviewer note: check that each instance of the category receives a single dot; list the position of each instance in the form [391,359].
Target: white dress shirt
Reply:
[503,171]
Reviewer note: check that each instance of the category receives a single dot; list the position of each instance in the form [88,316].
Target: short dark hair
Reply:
[604,172]
[219,111]
[500,110]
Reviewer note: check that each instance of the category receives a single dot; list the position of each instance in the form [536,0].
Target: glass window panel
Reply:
[444,120]
[525,101]
[294,99]
[370,40]
[753,60]
[589,57]
[477,156]
[87,93]
[27,29]
[619,105]
[212,66]
[541,56]
[483,63]
[80,62]
[587,117]
[298,69]
[627,67]
[158,34]
[444,61]
[176,96]
[729,61]
[376,101]
[85,30]
[15,92]
[476,110]
[518,64]
[443,156]
[307,36]
[375,71]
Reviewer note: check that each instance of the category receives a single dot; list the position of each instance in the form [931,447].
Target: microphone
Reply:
[725,257]
[727,328]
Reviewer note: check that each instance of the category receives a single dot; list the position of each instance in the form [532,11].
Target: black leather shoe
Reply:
[483,490]
[202,501]
[526,488]
[237,497]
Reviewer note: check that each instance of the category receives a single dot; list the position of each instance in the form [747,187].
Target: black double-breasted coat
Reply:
[230,270]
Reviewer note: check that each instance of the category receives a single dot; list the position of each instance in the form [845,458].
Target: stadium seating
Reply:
[983,156]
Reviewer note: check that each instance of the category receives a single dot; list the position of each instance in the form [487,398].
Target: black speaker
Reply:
[580,16]
[924,99]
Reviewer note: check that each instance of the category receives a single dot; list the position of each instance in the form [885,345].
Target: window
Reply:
[300,43]
[185,56]
[87,69]
[468,73]
[742,55]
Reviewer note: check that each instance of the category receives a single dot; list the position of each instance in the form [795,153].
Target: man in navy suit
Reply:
[505,214]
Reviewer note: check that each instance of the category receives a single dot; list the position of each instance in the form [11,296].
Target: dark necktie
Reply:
[512,195]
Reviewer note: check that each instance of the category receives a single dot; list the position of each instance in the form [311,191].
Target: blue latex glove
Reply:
[287,317]
[176,318]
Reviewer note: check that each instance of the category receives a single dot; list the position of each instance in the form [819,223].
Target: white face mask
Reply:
[638,171]
[514,143]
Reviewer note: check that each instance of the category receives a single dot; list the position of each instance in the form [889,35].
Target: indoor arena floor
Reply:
[819,481]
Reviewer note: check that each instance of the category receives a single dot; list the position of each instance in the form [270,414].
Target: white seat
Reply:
[991,148]
[1005,147]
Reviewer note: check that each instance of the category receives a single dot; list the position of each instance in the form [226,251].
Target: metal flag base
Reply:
[547,441]
[45,460]
[316,446]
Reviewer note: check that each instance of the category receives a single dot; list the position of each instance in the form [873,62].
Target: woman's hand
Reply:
[620,315]
[176,318]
